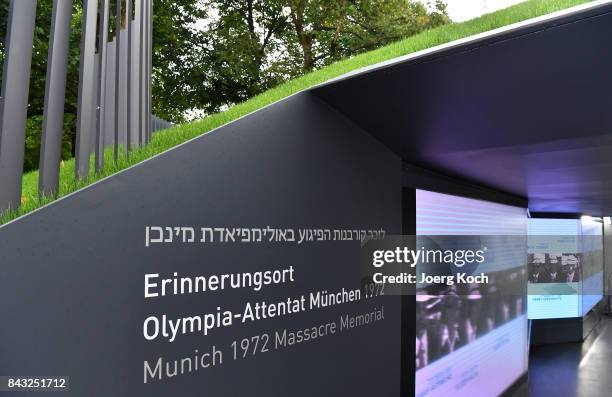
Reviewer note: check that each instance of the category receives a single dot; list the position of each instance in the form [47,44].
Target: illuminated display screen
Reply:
[565,267]
[473,344]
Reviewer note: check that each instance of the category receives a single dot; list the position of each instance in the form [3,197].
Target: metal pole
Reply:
[145,60]
[94,107]
[137,72]
[147,77]
[123,84]
[15,90]
[147,73]
[119,37]
[55,94]
[150,71]
[141,75]
[86,88]
[102,43]
[129,74]
[109,103]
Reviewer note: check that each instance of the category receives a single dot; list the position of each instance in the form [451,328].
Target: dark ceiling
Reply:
[527,111]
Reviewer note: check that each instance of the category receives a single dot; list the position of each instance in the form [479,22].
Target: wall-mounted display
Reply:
[565,267]
[471,339]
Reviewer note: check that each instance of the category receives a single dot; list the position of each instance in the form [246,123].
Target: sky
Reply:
[462,10]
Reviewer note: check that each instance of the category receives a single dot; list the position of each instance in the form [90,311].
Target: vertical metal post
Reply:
[94,106]
[86,88]
[147,73]
[145,61]
[145,69]
[102,43]
[135,74]
[109,103]
[118,39]
[129,73]
[55,93]
[15,90]
[123,84]
[142,73]
[150,71]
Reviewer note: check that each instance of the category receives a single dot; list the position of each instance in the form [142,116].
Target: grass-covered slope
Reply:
[167,139]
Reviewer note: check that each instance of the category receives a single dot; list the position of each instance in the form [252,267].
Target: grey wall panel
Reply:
[109,113]
[55,92]
[296,164]
[15,90]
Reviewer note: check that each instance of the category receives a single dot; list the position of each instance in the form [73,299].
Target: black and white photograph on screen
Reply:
[571,267]
[450,317]
[554,268]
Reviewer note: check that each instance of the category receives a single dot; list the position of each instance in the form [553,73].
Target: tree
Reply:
[327,31]
[238,48]
[250,46]
[179,74]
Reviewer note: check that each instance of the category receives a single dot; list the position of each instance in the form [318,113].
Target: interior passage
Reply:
[574,369]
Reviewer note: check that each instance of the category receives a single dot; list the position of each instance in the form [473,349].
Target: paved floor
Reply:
[574,369]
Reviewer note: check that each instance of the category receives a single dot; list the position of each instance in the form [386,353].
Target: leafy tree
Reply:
[249,46]
[327,31]
[179,75]
[238,48]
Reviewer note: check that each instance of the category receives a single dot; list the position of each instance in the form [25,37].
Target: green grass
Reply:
[165,140]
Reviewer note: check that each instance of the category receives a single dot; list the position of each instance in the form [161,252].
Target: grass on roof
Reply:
[167,139]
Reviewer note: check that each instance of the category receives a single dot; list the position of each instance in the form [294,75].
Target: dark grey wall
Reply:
[71,286]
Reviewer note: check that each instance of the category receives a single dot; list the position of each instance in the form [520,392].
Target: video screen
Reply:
[471,339]
[565,267]
[453,318]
